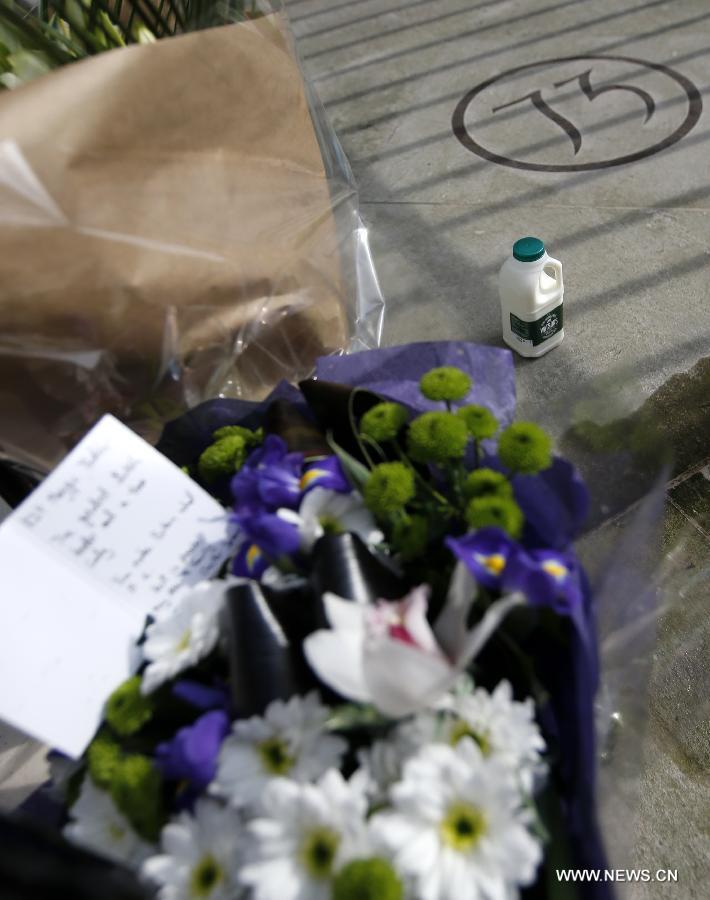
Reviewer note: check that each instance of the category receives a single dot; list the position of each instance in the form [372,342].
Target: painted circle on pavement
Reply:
[577,113]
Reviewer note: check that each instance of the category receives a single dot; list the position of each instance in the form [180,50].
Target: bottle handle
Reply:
[557,266]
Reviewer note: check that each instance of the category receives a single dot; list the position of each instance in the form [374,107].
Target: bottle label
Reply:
[540,330]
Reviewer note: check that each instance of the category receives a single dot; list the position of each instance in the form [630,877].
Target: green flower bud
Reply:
[222,458]
[410,536]
[251,438]
[445,383]
[484,512]
[367,879]
[389,487]
[525,447]
[481,422]
[136,789]
[487,483]
[437,437]
[103,757]
[127,710]
[383,421]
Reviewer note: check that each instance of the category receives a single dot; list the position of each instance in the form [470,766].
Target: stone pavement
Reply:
[470,123]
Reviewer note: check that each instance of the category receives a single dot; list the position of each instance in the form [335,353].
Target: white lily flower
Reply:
[323,511]
[387,653]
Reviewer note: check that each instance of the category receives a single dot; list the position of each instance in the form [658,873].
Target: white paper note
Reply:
[114,533]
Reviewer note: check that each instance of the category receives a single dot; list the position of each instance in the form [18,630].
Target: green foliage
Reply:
[367,879]
[524,447]
[127,710]
[136,789]
[499,512]
[383,421]
[437,437]
[410,536]
[486,483]
[223,458]
[389,488]
[480,422]
[446,383]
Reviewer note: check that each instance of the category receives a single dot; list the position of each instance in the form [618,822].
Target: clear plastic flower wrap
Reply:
[651,606]
[177,222]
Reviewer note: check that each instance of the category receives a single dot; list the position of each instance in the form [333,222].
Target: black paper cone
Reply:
[343,565]
[37,864]
[330,404]
[263,665]
[301,434]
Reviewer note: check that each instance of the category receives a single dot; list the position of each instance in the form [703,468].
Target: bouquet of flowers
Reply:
[389,694]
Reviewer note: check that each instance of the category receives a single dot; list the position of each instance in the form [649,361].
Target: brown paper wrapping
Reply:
[194,252]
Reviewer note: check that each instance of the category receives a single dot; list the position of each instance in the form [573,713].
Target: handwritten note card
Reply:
[114,533]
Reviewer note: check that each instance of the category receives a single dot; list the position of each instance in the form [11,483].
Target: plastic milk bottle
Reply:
[530,287]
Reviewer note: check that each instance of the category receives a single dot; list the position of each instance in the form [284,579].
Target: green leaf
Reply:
[354,469]
[352,715]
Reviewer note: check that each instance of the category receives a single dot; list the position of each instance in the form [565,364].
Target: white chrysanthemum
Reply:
[289,741]
[501,726]
[98,825]
[201,855]
[183,636]
[328,512]
[307,833]
[458,828]
[381,763]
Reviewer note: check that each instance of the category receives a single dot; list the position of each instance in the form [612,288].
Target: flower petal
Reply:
[494,615]
[402,679]
[450,626]
[336,657]
[345,614]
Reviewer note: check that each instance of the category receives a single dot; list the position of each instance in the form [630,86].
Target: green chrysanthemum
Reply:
[437,437]
[445,383]
[222,458]
[127,709]
[383,421]
[389,487]
[524,447]
[487,483]
[483,512]
[410,536]
[104,757]
[136,789]
[251,438]
[480,422]
[367,879]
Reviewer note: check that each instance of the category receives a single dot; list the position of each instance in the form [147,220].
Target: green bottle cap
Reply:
[528,249]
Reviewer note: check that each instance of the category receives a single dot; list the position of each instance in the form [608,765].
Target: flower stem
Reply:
[422,481]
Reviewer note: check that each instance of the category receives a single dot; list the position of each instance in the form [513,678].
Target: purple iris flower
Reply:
[269,479]
[274,536]
[201,696]
[485,554]
[496,561]
[191,756]
[250,561]
[326,473]
[547,578]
